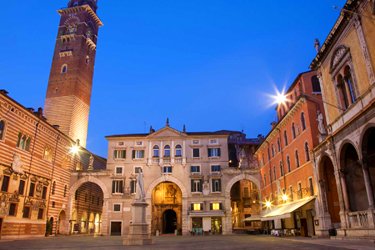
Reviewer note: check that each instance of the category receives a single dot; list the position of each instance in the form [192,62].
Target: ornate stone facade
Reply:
[344,160]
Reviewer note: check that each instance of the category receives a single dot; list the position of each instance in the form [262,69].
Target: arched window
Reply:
[23,142]
[268,154]
[274,172]
[281,169]
[65,190]
[47,155]
[156,151]
[349,82]
[273,150]
[278,145]
[303,121]
[27,144]
[178,151]
[293,131]
[167,151]
[2,129]
[307,151]
[297,159]
[285,138]
[315,84]
[53,187]
[64,69]
[342,92]
[288,163]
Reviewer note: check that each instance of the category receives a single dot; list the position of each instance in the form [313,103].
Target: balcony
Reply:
[360,219]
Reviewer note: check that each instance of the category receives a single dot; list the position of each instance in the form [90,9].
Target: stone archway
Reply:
[62,224]
[328,186]
[87,200]
[354,178]
[368,159]
[240,193]
[97,227]
[166,208]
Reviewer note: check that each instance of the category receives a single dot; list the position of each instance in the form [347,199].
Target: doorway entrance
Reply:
[169,221]
[166,208]
[116,228]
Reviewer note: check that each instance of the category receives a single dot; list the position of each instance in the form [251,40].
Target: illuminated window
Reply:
[216,206]
[197,206]
[47,155]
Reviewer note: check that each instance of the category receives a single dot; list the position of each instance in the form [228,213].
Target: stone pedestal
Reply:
[138,229]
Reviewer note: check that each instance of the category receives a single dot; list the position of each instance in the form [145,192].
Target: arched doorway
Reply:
[87,208]
[245,206]
[169,221]
[353,178]
[368,155]
[62,224]
[329,189]
[166,208]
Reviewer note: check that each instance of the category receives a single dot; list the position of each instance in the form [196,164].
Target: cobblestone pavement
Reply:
[186,242]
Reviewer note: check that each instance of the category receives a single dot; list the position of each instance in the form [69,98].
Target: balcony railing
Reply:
[358,219]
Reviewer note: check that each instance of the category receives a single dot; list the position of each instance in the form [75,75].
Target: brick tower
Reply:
[68,96]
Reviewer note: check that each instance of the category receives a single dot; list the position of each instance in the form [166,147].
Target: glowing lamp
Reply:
[284,197]
[74,149]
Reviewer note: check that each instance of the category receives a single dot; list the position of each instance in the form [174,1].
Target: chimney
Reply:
[273,124]
[184,129]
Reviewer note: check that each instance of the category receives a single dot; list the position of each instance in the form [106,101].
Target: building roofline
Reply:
[342,20]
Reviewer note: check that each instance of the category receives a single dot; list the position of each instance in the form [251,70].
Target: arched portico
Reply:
[165,179]
[241,205]
[95,194]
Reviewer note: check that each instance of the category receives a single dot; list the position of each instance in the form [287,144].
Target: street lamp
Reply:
[268,204]
[284,197]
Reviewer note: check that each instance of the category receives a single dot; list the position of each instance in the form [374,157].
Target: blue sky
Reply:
[207,64]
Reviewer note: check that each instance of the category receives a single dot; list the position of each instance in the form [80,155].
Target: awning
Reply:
[253,218]
[284,211]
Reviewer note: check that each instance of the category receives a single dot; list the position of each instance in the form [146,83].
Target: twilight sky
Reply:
[207,64]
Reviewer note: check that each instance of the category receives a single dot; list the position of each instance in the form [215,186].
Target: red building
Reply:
[288,183]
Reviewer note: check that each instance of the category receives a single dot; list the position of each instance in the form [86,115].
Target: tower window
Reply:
[64,69]
[87,60]
[2,129]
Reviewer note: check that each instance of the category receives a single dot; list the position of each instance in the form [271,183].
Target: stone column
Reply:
[366,176]
[105,226]
[370,195]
